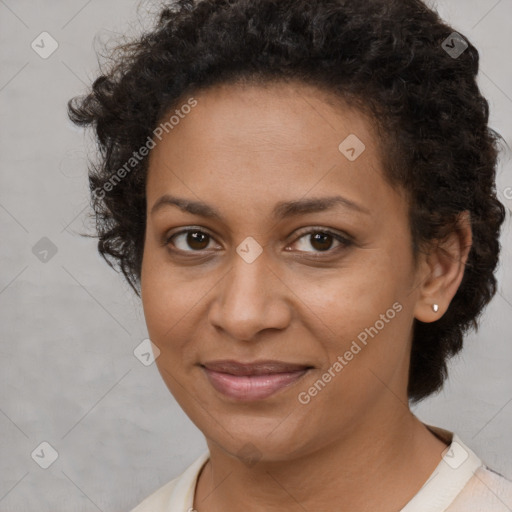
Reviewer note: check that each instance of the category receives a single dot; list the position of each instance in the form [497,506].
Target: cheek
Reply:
[364,363]
[353,297]
[362,313]
[160,289]
[172,300]
[167,302]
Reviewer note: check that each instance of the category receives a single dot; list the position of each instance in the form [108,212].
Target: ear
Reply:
[442,270]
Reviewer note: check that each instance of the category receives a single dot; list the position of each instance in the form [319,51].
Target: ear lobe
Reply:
[444,268]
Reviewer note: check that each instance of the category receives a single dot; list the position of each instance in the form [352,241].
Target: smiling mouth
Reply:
[252,381]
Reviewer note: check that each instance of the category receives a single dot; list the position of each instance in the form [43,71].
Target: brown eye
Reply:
[190,239]
[321,241]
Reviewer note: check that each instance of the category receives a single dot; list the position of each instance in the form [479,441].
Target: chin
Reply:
[255,439]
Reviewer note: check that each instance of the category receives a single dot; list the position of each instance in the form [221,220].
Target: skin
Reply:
[243,149]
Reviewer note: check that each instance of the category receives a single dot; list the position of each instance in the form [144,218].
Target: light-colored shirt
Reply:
[459,483]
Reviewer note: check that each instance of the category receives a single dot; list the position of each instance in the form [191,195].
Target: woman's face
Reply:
[264,280]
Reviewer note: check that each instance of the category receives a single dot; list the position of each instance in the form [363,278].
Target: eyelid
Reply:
[344,239]
[189,229]
[328,231]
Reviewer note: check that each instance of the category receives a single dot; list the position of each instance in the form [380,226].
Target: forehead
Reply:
[298,115]
[267,143]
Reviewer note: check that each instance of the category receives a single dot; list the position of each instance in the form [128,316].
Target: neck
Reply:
[377,465]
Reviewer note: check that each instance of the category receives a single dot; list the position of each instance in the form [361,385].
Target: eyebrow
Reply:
[281,210]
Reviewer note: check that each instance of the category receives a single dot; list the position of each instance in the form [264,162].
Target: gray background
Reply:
[69,326]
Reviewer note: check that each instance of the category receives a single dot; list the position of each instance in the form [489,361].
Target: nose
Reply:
[250,298]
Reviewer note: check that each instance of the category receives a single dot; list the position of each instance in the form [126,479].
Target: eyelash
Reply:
[344,241]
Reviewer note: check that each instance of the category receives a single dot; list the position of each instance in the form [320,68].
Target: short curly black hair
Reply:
[394,59]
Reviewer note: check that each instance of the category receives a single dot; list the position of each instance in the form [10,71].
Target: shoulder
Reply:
[158,501]
[462,482]
[178,494]
[486,491]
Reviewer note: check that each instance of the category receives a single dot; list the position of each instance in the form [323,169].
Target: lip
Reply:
[252,381]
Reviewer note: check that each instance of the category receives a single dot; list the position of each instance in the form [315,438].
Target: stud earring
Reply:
[435,307]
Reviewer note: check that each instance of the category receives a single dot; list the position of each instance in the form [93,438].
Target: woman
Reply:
[302,193]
